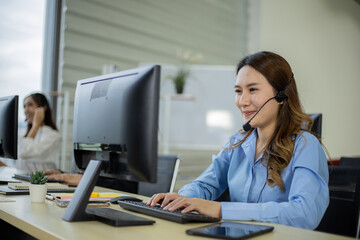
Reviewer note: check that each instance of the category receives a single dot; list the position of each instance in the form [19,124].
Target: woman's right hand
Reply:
[39,116]
[51,171]
[38,120]
[164,198]
[174,201]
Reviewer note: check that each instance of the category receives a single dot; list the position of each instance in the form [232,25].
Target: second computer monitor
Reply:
[8,126]
[116,122]
[317,123]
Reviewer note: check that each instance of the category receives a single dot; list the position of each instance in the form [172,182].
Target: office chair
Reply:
[350,161]
[317,123]
[168,166]
[342,214]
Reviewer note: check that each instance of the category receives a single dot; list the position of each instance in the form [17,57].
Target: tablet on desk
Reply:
[230,230]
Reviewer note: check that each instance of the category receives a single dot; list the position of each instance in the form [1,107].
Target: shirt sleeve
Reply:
[308,196]
[212,182]
[30,148]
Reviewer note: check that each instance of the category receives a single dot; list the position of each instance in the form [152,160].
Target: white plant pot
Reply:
[38,192]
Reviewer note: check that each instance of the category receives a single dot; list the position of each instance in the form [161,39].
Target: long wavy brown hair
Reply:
[291,117]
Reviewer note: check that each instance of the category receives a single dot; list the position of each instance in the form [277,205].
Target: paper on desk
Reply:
[93,196]
[5,199]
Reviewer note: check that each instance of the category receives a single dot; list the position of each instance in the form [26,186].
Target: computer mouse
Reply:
[123,198]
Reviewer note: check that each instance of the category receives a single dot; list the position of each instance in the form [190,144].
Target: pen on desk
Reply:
[49,197]
[50,194]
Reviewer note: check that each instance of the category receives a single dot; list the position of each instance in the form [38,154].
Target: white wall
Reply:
[321,41]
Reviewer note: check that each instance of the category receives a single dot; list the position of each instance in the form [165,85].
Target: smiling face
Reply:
[29,109]
[252,91]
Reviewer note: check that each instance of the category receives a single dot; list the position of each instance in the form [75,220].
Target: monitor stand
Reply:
[77,209]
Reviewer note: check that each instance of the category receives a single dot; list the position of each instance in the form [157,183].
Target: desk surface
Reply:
[43,221]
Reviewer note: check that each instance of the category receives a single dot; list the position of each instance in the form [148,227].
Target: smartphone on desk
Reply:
[230,230]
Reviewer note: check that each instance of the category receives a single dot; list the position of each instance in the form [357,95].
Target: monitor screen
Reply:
[8,126]
[116,121]
[115,131]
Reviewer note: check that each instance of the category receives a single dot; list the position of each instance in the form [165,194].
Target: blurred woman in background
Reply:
[38,147]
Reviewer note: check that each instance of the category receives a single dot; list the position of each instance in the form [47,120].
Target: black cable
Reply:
[267,169]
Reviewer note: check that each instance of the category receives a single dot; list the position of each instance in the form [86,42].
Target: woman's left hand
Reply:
[71,179]
[205,207]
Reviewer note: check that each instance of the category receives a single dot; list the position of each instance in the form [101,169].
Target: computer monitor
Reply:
[115,131]
[9,126]
[317,123]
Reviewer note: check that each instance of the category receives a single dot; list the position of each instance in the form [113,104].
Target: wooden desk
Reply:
[43,221]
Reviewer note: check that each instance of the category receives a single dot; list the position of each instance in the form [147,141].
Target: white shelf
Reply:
[167,116]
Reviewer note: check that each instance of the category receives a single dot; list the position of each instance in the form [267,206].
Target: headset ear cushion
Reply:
[280,96]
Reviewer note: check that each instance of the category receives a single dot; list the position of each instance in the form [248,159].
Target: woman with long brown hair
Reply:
[274,168]
[38,147]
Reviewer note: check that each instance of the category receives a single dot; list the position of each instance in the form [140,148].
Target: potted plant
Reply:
[37,187]
[183,71]
[179,79]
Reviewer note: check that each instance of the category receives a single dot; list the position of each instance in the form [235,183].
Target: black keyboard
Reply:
[157,211]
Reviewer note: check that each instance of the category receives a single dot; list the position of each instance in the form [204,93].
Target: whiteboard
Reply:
[207,121]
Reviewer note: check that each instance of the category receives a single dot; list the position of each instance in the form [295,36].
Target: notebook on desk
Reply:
[25,186]
[5,190]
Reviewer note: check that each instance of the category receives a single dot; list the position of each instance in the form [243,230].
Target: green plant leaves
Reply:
[38,178]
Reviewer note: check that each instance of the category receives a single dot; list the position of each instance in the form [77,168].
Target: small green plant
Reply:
[38,178]
[183,69]
[179,79]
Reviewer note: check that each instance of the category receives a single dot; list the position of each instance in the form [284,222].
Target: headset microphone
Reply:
[280,96]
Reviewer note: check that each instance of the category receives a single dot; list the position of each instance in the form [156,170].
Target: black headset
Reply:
[281,96]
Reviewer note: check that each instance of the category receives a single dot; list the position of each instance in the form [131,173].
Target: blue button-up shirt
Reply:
[303,201]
